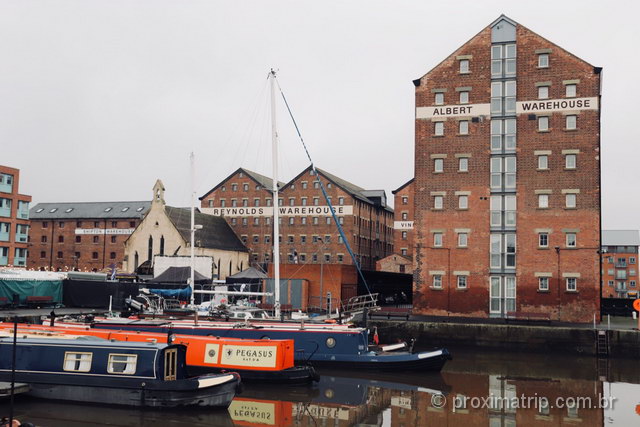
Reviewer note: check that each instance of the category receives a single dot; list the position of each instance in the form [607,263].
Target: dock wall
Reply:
[538,339]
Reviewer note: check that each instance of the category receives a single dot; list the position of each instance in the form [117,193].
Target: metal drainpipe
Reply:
[104,244]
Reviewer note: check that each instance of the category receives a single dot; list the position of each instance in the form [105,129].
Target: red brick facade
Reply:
[403,240]
[366,223]
[13,244]
[507,184]
[62,240]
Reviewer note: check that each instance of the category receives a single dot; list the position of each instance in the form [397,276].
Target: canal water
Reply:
[476,388]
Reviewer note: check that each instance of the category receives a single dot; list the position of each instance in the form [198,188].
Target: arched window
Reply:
[161,245]
[150,250]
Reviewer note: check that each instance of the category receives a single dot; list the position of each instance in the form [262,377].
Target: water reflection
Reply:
[495,389]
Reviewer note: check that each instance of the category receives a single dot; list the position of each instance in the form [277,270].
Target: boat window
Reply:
[122,364]
[170,364]
[331,342]
[77,362]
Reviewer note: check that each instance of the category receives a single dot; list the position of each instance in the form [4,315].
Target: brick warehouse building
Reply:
[404,214]
[14,219]
[307,230]
[87,236]
[507,180]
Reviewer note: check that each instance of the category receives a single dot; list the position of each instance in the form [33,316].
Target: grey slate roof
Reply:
[89,210]
[215,232]
[264,181]
[620,238]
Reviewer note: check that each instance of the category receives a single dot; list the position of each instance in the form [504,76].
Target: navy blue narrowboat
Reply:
[95,370]
[330,345]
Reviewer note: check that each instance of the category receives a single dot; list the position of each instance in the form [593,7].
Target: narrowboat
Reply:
[255,360]
[342,346]
[94,370]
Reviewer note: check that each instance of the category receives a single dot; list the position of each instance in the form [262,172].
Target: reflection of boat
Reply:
[254,360]
[93,370]
[64,414]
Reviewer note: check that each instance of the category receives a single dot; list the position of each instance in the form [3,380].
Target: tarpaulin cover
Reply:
[94,294]
[25,288]
[183,294]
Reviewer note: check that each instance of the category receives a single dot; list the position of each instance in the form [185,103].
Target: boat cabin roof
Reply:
[85,341]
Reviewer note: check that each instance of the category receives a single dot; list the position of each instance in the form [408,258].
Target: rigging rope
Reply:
[324,192]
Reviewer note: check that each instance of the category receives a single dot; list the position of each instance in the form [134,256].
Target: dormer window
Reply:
[108,209]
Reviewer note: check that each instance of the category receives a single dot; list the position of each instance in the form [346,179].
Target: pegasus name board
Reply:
[246,355]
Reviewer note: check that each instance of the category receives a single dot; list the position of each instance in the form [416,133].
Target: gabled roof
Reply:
[620,238]
[89,210]
[416,82]
[264,181]
[403,186]
[215,232]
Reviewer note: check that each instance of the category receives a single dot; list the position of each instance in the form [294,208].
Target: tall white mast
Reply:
[275,204]
[193,227]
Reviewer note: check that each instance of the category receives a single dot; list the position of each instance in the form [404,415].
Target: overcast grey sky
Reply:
[98,98]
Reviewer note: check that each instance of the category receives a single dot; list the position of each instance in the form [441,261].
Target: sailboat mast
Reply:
[275,200]
[193,227]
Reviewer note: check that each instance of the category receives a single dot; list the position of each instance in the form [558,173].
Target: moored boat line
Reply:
[254,360]
[94,370]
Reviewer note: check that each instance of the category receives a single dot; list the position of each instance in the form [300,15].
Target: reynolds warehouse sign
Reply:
[283,211]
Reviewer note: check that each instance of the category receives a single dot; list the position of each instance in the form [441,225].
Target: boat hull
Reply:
[402,361]
[295,375]
[149,393]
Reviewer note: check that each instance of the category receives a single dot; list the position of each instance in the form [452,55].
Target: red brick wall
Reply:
[474,301]
[65,228]
[359,228]
[400,207]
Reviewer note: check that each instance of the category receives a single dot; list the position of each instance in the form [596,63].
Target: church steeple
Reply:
[158,192]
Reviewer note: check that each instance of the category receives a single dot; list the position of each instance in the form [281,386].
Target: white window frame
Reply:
[463,201]
[543,60]
[570,161]
[437,281]
[543,201]
[438,202]
[462,281]
[572,284]
[463,240]
[543,123]
[438,165]
[131,363]
[570,200]
[571,122]
[464,66]
[571,240]
[83,364]
[438,128]
[543,92]
[541,281]
[463,164]
[540,245]
[438,240]
[571,90]
[543,162]
[463,127]
[464,97]
[438,98]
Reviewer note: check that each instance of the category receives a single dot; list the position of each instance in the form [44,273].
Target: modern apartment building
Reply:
[620,263]
[507,180]
[14,219]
